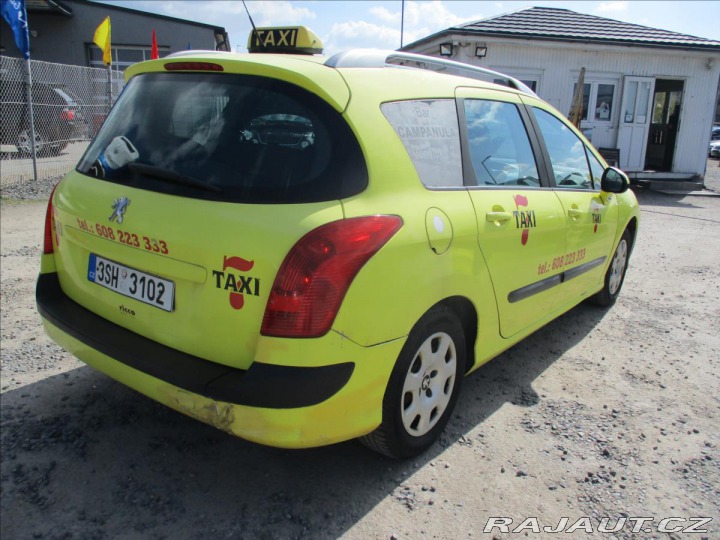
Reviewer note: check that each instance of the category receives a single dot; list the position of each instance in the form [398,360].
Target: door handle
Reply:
[498,216]
[575,212]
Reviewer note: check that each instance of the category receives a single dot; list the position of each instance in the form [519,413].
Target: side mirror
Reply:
[614,181]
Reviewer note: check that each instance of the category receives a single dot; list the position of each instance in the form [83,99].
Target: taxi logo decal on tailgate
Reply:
[237,284]
[524,219]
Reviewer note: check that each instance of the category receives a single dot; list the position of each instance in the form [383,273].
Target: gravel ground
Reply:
[599,414]
[712,175]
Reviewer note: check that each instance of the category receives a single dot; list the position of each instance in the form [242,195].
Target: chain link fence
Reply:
[69,103]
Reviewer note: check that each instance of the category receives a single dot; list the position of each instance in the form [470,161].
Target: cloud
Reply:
[386,15]
[435,12]
[611,7]
[264,12]
[382,27]
[347,35]
[277,13]
[420,14]
[425,18]
[230,15]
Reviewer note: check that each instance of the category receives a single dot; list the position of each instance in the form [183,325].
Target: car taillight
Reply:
[67,114]
[47,243]
[317,272]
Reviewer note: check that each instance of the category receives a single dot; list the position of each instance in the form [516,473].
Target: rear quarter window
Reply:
[429,131]
[235,138]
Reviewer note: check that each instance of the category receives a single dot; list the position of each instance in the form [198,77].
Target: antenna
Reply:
[402,22]
[257,36]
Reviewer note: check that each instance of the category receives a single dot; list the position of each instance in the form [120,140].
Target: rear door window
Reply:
[499,147]
[235,138]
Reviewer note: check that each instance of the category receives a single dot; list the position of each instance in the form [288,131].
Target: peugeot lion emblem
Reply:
[119,206]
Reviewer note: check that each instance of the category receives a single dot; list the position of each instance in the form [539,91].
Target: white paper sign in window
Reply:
[429,131]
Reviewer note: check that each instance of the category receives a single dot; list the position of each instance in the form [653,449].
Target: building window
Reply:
[602,96]
[585,99]
[529,77]
[122,57]
[604,101]
[531,84]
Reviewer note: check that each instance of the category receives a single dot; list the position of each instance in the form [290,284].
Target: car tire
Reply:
[55,150]
[25,148]
[423,388]
[615,275]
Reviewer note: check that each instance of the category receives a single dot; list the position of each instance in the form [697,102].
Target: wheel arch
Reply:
[467,315]
[632,228]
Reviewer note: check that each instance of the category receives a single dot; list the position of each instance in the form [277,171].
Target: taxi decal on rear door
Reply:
[524,219]
[237,284]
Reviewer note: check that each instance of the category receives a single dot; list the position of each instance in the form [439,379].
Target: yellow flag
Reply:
[102,40]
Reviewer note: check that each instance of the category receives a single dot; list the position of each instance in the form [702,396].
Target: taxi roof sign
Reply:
[284,39]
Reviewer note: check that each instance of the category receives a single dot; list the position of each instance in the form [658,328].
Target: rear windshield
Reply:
[235,138]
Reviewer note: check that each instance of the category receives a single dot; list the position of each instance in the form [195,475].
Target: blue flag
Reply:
[13,11]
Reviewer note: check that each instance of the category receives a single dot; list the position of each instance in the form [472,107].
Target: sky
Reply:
[376,24]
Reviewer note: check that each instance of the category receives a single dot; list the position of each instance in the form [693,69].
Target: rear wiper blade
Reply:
[171,176]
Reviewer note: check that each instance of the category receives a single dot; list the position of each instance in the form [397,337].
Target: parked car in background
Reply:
[58,117]
[714,149]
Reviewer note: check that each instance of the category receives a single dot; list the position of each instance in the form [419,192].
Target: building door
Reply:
[634,122]
[599,113]
[664,125]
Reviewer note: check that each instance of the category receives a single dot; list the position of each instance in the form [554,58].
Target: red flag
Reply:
[520,200]
[154,51]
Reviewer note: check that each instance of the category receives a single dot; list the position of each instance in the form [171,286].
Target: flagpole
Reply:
[402,22]
[31,118]
[102,39]
[15,13]
[109,89]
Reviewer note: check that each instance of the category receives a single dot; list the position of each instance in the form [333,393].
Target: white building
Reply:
[651,94]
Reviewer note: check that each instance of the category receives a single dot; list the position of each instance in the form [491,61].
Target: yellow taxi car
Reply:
[302,250]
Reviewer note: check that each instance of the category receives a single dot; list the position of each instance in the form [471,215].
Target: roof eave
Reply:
[457,31]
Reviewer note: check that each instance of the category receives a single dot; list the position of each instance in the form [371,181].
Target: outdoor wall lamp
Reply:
[446,49]
[481,51]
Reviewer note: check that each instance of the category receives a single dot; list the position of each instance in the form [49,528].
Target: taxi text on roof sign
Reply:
[286,39]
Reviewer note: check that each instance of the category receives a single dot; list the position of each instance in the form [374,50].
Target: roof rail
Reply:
[360,58]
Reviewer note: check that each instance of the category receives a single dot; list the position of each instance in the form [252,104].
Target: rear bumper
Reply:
[263,385]
[271,403]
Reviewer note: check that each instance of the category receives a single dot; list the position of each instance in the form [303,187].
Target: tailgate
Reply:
[191,274]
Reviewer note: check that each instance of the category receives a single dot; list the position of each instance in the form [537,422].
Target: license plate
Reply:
[133,283]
